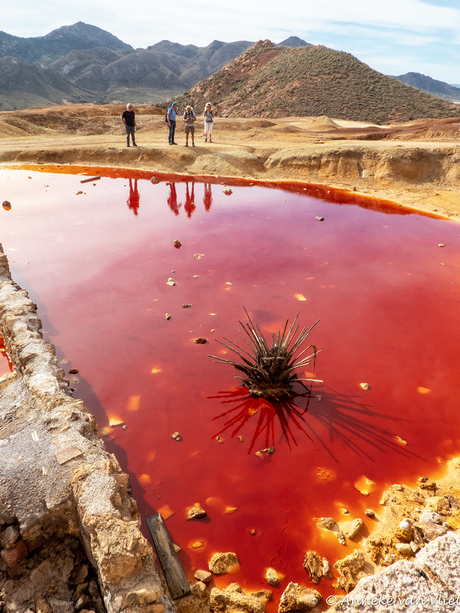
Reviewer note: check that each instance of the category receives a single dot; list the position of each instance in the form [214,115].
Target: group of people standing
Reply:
[129,121]
[189,118]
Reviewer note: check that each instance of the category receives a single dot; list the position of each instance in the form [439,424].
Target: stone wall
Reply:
[57,480]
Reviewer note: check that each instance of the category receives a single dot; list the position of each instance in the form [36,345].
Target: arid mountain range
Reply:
[85,64]
[431,86]
[271,81]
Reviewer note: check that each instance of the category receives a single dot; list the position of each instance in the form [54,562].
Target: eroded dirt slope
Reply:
[414,163]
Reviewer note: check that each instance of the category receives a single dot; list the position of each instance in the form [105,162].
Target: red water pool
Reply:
[387,297]
[5,364]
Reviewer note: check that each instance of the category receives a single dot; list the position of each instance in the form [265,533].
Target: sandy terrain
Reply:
[415,164]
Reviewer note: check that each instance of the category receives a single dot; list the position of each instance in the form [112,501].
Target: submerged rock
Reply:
[196,512]
[263,453]
[272,577]
[313,564]
[223,563]
[201,340]
[234,599]
[203,575]
[298,599]
[327,570]
[351,569]
[354,528]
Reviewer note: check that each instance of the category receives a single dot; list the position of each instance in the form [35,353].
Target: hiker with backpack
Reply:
[170,119]
[189,119]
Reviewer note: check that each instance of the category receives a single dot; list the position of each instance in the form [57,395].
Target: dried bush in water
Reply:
[269,370]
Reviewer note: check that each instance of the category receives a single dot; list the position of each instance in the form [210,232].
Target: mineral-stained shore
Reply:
[414,164]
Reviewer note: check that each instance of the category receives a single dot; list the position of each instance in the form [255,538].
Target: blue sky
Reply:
[391,36]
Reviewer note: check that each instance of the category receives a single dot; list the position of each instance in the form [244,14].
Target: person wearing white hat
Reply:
[208,122]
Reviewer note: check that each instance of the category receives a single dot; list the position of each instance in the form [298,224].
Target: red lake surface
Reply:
[387,297]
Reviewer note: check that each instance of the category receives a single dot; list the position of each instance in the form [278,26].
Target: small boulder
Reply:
[327,570]
[196,511]
[203,575]
[328,523]
[12,557]
[234,599]
[351,568]
[354,528]
[298,599]
[9,537]
[272,577]
[404,549]
[223,563]
[313,564]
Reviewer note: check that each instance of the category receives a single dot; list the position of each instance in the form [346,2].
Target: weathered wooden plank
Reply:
[172,569]
[90,179]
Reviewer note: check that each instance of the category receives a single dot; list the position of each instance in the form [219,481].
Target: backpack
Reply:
[166,117]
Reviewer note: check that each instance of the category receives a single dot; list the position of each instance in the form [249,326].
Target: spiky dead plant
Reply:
[270,369]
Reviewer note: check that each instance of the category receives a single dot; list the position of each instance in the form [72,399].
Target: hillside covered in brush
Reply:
[277,81]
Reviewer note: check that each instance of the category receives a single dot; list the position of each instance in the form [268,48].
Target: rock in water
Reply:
[223,563]
[313,564]
[298,599]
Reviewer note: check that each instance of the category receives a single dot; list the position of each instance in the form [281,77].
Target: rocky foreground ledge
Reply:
[69,531]
[70,536]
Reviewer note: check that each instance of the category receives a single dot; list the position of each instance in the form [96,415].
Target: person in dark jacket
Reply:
[129,120]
